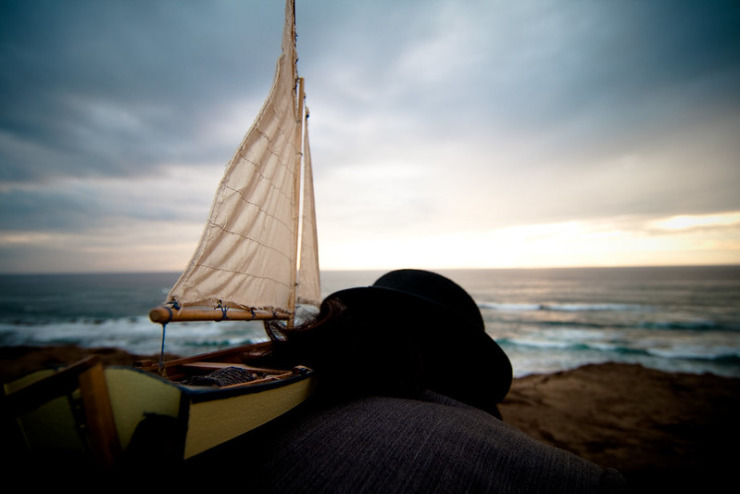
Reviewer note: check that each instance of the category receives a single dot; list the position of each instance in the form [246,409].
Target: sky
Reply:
[444,133]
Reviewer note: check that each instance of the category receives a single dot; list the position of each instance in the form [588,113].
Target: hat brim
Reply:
[461,359]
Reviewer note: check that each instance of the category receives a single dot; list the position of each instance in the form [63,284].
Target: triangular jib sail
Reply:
[309,284]
[248,254]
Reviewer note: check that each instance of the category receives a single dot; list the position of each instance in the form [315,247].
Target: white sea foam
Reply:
[560,307]
[509,307]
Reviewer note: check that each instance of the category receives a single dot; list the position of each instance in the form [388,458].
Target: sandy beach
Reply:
[663,431]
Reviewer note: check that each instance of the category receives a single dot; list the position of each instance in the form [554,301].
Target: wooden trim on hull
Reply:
[31,397]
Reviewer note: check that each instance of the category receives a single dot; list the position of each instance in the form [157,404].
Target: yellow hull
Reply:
[209,417]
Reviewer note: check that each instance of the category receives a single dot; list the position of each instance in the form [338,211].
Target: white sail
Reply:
[247,254]
[309,284]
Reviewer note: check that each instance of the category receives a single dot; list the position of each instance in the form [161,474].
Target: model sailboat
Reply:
[257,259]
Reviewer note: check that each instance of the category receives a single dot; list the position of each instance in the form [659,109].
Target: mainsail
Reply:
[248,253]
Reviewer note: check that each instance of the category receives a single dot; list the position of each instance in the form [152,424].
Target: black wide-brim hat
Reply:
[460,359]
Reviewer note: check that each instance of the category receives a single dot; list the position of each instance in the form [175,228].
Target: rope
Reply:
[224,316]
[161,351]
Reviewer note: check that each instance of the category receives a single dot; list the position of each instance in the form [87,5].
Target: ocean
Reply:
[684,319]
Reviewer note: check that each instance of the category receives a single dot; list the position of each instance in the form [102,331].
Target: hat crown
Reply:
[434,288]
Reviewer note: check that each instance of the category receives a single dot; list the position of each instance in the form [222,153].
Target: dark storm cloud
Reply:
[546,110]
[538,64]
[119,87]
[116,88]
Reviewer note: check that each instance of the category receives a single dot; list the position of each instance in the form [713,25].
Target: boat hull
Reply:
[205,417]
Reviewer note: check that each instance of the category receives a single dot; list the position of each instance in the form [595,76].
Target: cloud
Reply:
[119,88]
[683,223]
[127,245]
[429,120]
[610,106]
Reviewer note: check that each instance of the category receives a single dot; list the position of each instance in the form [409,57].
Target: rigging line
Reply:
[237,273]
[161,351]
[259,207]
[164,331]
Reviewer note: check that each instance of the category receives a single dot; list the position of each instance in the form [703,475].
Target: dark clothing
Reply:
[398,445]
[371,428]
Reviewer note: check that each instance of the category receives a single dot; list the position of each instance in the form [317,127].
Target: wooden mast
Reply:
[297,206]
